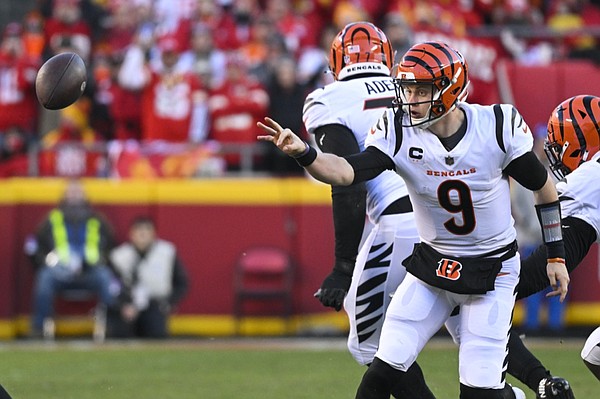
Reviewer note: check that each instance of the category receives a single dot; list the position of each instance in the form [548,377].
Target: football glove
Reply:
[335,286]
[554,387]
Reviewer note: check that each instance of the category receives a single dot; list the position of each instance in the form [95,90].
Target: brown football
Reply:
[61,81]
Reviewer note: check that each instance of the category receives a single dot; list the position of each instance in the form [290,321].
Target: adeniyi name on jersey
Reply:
[460,197]
[340,103]
[579,197]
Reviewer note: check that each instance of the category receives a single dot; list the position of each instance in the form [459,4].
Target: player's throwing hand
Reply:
[286,140]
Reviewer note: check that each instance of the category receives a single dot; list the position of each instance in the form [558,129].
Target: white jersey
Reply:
[461,199]
[358,104]
[579,197]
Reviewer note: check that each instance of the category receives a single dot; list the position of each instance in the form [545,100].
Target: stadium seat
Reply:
[263,284]
[77,308]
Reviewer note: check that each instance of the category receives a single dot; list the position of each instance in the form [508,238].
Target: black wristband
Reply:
[550,221]
[555,249]
[307,157]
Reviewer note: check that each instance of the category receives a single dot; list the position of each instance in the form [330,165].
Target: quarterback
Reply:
[339,116]
[467,254]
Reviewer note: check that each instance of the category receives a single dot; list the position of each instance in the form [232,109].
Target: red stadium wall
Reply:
[537,90]
[210,221]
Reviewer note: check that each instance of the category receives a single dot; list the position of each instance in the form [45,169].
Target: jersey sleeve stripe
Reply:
[309,104]
[499,126]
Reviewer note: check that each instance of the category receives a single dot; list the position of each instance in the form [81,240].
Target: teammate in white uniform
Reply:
[572,147]
[340,115]
[455,159]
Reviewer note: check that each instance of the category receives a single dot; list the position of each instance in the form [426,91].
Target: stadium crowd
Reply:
[175,87]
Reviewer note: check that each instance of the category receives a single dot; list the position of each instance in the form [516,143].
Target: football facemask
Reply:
[434,65]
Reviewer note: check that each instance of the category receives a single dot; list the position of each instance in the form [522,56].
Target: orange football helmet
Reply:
[573,134]
[360,43]
[439,66]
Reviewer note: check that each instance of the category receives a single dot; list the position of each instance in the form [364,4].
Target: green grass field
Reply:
[228,369]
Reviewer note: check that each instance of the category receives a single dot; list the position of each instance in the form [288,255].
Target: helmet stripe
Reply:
[360,42]
[446,50]
[561,122]
[368,34]
[587,103]
[576,122]
[420,62]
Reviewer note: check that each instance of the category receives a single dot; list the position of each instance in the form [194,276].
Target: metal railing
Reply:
[248,154]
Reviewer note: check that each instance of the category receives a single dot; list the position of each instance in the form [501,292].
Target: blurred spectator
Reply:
[423,15]
[18,104]
[371,10]
[33,35]
[173,100]
[256,51]
[399,34]
[516,14]
[153,280]
[235,106]
[73,149]
[126,19]
[14,159]
[295,29]
[566,19]
[211,14]
[276,49]
[125,106]
[65,27]
[70,251]
[94,13]
[346,12]
[244,13]
[313,65]
[101,118]
[288,96]
[207,62]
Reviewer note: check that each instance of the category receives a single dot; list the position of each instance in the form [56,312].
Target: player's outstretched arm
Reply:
[327,168]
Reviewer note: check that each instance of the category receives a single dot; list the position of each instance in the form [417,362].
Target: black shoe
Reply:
[554,387]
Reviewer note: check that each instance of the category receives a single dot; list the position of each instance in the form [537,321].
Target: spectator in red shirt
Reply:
[296,29]
[18,105]
[235,106]
[210,13]
[66,25]
[173,107]
[73,149]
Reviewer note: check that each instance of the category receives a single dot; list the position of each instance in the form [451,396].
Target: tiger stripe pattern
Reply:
[573,134]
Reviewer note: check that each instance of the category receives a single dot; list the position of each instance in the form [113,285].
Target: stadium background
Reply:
[213,220]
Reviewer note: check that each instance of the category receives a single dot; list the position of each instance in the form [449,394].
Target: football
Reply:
[60,81]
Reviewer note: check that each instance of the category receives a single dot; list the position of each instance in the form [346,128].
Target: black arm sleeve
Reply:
[180,282]
[348,202]
[528,171]
[369,164]
[578,237]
